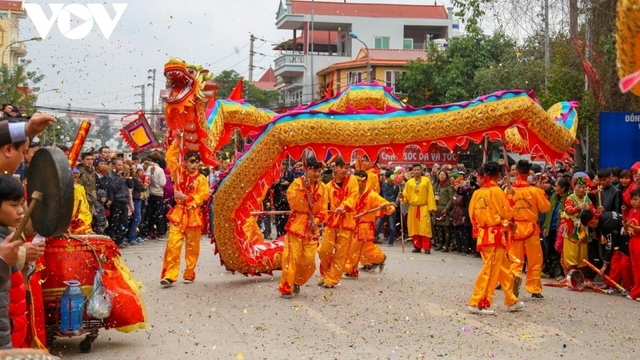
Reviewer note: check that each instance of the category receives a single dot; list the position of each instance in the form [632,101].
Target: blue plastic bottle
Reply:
[71,307]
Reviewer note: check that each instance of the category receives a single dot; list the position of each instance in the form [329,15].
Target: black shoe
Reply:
[296,289]
[445,250]
[166,282]
[382,264]
[498,287]
[415,250]
[537,296]
[437,248]
[427,252]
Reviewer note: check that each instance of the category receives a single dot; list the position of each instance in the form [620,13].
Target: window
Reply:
[407,44]
[381,42]
[354,77]
[392,79]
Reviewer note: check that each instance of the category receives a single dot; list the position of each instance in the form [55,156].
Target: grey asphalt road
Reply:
[415,309]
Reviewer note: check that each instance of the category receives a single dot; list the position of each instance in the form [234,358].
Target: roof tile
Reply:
[401,11]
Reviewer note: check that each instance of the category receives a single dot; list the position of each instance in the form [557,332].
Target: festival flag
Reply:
[236,93]
[330,88]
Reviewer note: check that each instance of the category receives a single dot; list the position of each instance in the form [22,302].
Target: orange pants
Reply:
[334,251]
[171,262]
[533,250]
[371,254]
[355,254]
[363,252]
[298,262]
[495,267]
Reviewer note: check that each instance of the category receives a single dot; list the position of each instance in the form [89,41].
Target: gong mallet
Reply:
[623,291]
[35,197]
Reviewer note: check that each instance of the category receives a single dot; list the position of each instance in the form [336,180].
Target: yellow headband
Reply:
[360,178]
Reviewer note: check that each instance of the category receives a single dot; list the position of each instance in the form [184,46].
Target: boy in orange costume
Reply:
[489,211]
[366,228]
[528,201]
[373,179]
[336,241]
[191,190]
[418,192]
[307,198]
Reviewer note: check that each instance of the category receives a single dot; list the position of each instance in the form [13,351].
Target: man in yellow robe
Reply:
[336,241]
[362,247]
[418,192]
[528,201]
[191,190]
[489,212]
[81,216]
[307,198]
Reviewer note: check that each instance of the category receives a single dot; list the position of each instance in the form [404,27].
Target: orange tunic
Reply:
[366,224]
[344,196]
[528,201]
[297,197]
[373,180]
[187,212]
[489,211]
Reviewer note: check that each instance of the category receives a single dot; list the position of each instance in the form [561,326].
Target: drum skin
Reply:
[49,173]
[68,259]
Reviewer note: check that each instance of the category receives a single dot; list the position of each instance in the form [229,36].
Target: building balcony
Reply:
[289,65]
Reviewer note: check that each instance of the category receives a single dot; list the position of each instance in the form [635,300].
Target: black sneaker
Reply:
[296,289]
[416,250]
[166,282]
[537,296]
[428,252]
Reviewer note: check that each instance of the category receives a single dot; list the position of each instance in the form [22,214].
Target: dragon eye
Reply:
[192,71]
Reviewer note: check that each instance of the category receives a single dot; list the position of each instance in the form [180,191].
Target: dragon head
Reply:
[184,81]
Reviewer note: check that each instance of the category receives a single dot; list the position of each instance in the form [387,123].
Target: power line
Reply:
[233,53]
[67,109]
[111,93]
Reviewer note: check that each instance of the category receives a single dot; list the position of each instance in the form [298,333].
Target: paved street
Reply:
[415,309]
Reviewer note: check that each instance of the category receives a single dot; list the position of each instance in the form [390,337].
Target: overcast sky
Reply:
[95,72]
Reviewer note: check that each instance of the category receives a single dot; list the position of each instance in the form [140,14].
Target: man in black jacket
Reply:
[118,196]
[616,255]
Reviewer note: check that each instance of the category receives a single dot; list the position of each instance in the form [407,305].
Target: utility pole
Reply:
[152,78]
[142,96]
[313,75]
[252,38]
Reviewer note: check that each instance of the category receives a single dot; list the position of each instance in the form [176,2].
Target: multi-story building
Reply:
[11,12]
[321,38]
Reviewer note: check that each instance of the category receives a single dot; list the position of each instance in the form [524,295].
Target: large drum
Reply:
[79,258]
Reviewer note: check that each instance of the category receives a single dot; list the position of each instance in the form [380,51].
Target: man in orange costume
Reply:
[307,198]
[490,211]
[336,241]
[418,192]
[528,201]
[191,190]
[366,229]
[371,253]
